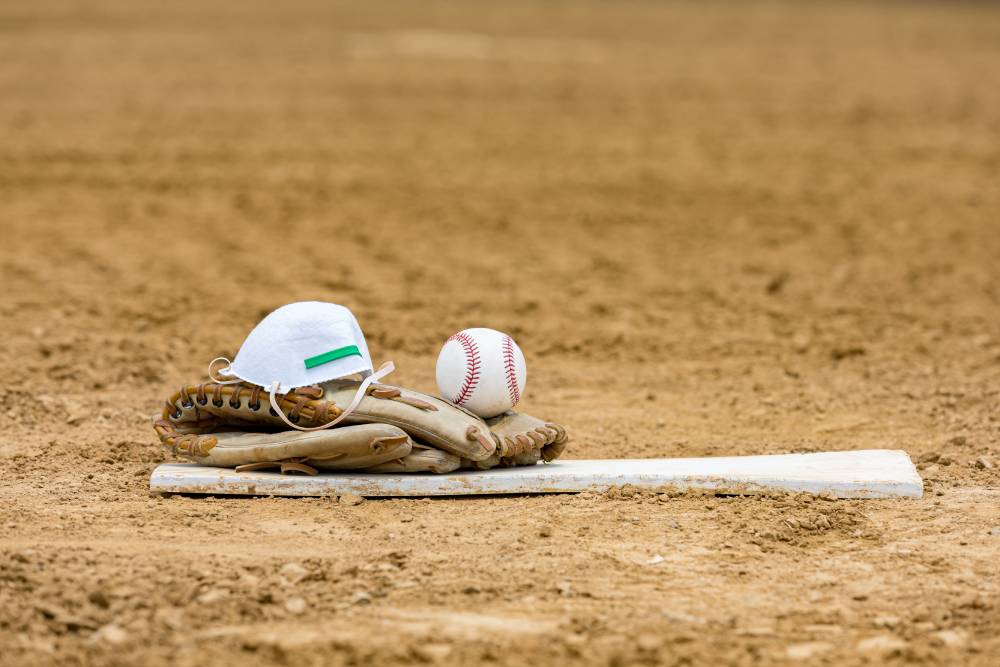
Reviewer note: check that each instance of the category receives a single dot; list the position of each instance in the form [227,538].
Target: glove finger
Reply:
[550,433]
[429,419]
[345,448]
[562,437]
[421,459]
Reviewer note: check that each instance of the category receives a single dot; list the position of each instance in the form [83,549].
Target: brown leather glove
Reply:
[392,430]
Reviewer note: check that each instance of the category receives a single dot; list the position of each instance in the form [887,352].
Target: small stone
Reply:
[247,581]
[982,340]
[655,560]
[295,606]
[171,617]
[883,644]
[807,650]
[433,653]
[76,418]
[351,499]
[361,597]
[978,601]
[801,342]
[949,638]
[984,463]
[293,573]
[889,622]
[212,595]
[565,588]
[995,531]
[99,599]
[841,353]
[110,634]
[545,531]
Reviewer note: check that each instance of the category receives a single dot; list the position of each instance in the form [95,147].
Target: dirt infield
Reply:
[714,229]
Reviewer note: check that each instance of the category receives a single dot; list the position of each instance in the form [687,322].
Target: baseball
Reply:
[482,370]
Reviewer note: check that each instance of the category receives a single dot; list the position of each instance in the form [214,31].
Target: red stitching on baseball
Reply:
[508,367]
[473,367]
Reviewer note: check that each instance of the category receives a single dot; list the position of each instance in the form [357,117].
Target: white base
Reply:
[872,473]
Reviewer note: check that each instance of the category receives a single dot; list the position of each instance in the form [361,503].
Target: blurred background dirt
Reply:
[714,228]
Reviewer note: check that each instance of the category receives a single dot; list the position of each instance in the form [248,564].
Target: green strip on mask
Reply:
[332,355]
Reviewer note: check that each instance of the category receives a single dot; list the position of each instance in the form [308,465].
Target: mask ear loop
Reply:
[229,367]
[382,371]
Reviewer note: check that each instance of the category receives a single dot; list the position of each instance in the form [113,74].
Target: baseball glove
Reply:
[392,430]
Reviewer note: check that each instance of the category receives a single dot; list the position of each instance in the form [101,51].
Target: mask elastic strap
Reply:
[382,371]
[229,367]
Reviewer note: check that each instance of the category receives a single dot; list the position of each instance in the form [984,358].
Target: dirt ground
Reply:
[714,228]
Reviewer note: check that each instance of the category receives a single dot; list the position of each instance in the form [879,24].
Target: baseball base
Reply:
[875,473]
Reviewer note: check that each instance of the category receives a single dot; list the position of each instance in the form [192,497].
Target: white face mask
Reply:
[303,344]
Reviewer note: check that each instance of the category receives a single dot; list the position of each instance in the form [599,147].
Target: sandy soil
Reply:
[718,229]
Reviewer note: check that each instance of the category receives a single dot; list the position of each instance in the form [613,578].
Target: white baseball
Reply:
[482,370]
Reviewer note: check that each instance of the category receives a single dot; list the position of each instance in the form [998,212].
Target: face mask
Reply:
[303,344]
